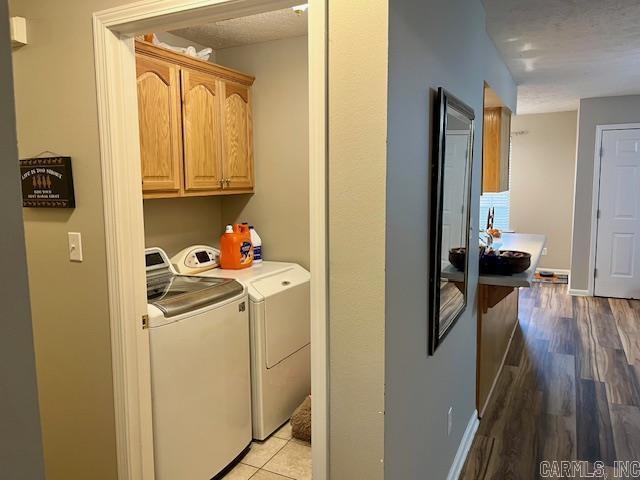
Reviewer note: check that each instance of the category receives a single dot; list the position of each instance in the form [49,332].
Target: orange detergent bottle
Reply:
[236,251]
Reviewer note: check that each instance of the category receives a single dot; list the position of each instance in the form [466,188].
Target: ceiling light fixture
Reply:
[300,9]
[527,47]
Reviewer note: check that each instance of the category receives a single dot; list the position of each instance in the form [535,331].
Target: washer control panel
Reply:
[196,259]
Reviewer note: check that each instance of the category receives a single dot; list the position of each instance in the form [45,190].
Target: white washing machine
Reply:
[280,320]
[200,371]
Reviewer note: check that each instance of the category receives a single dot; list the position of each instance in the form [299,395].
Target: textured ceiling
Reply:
[262,27]
[562,50]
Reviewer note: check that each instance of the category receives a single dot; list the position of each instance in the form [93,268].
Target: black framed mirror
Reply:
[451,162]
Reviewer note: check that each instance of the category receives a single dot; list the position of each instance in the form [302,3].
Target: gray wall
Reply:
[20,439]
[498,76]
[593,112]
[543,165]
[431,43]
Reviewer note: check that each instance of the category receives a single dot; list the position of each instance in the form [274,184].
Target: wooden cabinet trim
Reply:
[231,89]
[158,73]
[219,71]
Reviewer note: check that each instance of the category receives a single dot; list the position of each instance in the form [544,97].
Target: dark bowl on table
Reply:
[503,262]
[516,262]
[491,263]
[457,257]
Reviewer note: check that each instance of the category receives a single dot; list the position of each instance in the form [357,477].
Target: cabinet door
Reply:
[495,156]
[491,151]
[238,137]
[160,130]
[201,132]
[505,147]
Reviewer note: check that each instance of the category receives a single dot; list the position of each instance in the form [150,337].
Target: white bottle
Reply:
[257,245]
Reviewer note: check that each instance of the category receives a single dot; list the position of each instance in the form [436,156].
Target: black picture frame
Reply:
[47,182]
[444,100]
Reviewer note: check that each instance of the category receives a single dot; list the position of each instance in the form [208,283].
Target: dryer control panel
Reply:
[198,258]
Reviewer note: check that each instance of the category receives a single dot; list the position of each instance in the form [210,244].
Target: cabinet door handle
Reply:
[221,183]
[228,182]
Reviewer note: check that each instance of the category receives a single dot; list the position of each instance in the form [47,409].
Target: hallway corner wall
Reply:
[356,216]
[56,110]
[431,45]
[20,435]
[592,112]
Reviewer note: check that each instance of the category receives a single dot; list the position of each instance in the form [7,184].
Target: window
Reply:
[502,204]
[500,201]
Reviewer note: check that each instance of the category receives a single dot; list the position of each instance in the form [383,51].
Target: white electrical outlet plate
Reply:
[544,251]
[449,420]
[75,247]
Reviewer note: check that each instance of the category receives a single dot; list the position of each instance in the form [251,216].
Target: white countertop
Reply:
[524,242]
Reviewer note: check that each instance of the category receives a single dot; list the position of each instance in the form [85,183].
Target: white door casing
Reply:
[113,30]
[617,250]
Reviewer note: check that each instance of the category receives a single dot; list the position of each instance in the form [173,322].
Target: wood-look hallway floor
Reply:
[569,390]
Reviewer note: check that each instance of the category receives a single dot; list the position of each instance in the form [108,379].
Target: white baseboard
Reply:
[465,446]
[579,293]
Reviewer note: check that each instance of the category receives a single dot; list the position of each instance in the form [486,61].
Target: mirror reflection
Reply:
[452,171]
[454,212]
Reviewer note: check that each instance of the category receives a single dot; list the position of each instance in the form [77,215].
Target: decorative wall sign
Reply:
[47,182]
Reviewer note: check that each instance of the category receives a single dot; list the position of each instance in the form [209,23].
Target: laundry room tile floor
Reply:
[280,457]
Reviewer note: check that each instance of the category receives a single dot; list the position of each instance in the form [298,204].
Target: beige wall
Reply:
[542,177]
[357,182]
[176,223]
[56,110]
[279,209]
[20,435]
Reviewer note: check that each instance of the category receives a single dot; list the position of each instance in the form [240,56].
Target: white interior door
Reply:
[618,236]
[455,173]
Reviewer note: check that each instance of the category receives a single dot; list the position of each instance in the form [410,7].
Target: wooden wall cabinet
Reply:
[160,123]
[495,151]
[201,132]
[238,134]
[196,128]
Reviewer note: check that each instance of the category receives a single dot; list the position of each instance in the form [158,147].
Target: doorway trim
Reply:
[595,201]
[113,32]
